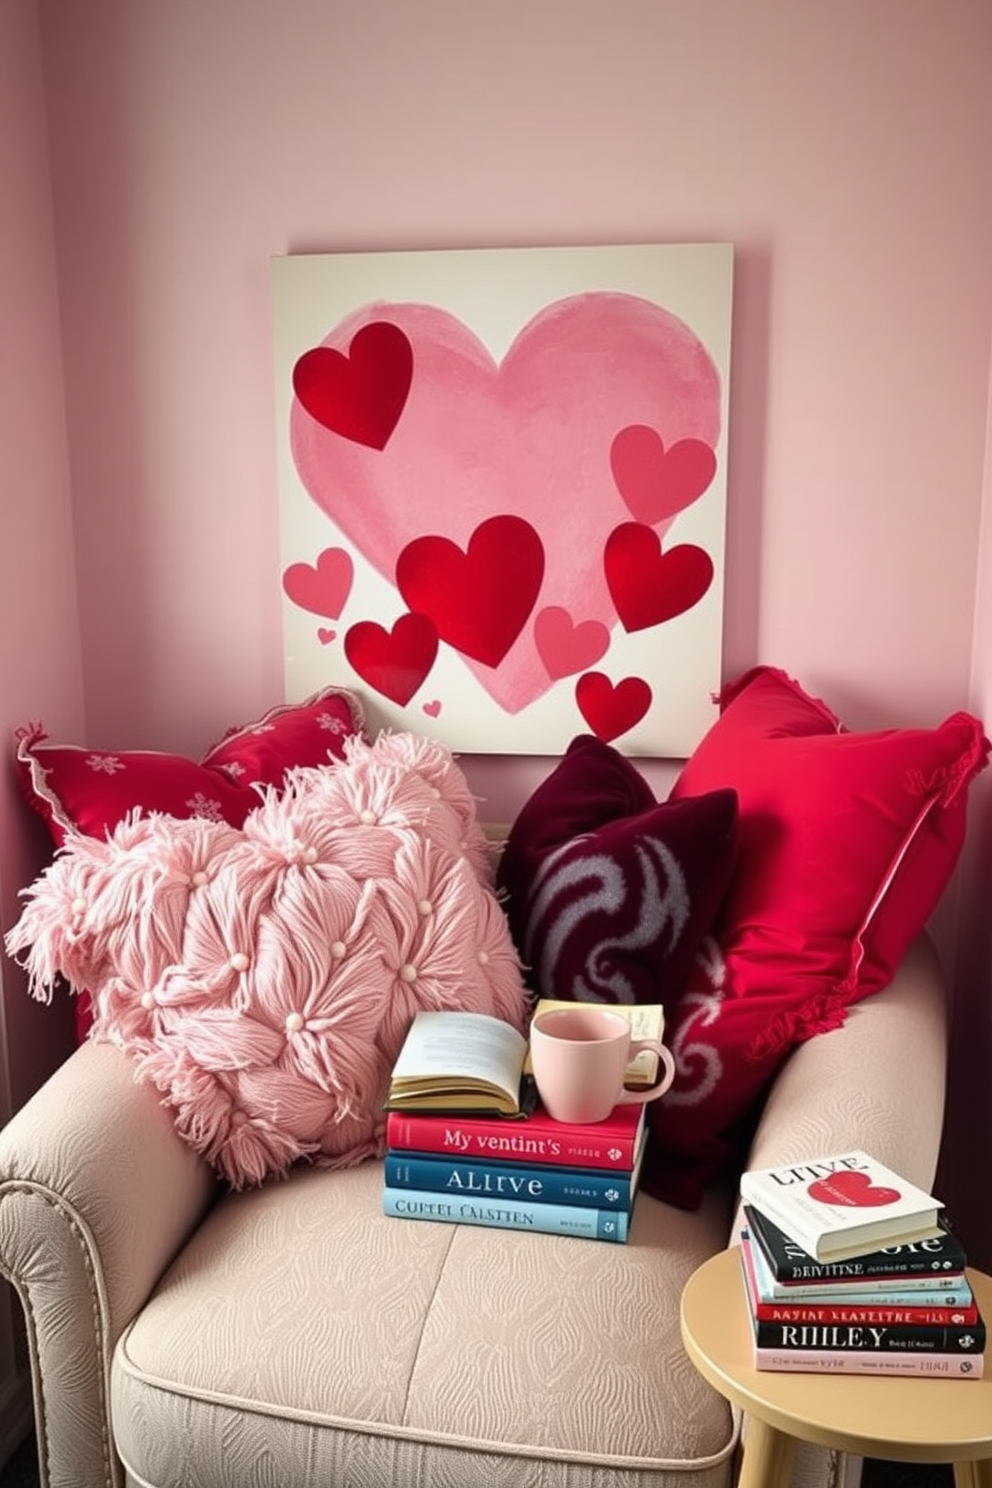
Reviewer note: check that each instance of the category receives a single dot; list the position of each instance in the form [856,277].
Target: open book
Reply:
[453,1061]
[473,1063]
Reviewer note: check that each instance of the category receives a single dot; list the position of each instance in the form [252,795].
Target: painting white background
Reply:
[496,294]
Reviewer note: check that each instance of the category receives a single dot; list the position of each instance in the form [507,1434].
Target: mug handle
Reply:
[653,1091]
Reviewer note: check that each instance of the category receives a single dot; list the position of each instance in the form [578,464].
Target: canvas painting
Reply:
[502,486]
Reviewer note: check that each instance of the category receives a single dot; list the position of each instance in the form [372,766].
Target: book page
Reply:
[466,1044]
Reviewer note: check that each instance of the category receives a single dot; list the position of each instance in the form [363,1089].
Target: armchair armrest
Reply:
[97,1194]
[877,1082]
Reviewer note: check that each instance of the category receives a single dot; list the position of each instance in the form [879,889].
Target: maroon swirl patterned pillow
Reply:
[609,894]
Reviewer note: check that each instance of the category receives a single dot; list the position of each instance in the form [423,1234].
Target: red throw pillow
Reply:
[91,790]
[608,893]
[846,842]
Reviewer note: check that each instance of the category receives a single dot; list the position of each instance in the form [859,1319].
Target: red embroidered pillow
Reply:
[608,893]
[91,790]
[846,842]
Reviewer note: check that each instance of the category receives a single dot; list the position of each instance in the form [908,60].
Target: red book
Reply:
[613,1143]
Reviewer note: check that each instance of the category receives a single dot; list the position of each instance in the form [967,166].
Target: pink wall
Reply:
[40,658]
[967,1150]
[39,644]
[844,149]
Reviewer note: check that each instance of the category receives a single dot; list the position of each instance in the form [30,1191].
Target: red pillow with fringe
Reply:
[845,843]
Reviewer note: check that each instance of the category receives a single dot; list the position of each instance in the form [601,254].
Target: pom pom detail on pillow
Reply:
[609,893]
[90,790]
[263,977]
[846,842]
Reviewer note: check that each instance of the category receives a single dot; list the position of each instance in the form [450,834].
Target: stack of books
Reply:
[850,1269]
[469,1143]
[534,1173]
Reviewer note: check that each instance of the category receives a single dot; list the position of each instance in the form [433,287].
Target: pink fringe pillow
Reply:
[263,978]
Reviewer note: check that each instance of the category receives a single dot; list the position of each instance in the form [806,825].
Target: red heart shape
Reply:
[856,1190]
[657,483]
[394,662]
[322,587]
[649,586]
[608,709]
[565,647]
[362,394]
[479,600]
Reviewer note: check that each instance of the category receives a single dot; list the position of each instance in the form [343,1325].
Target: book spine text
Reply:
[521,1181]
[871,1337]
[810,1361]
[548,1219]
[509,1142]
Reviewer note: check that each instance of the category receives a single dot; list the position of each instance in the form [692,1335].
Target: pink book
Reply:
[857,1361]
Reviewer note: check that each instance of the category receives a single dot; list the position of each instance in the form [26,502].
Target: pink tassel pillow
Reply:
[263,977]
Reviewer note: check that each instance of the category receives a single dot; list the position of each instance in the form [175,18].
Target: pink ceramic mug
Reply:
[579,1056]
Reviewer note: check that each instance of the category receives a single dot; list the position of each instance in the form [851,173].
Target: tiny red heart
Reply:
[394,662]
[855,1190]
[433,708]
[325,636]
[362,394]
[649,586]
[608,709]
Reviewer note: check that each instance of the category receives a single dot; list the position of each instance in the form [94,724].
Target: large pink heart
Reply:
[530,437]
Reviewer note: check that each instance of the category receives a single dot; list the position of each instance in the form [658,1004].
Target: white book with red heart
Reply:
[843,1205]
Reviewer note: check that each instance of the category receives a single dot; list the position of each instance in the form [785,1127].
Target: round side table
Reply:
[904,1419]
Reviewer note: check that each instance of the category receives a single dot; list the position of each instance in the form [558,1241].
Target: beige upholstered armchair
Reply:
[186,1337]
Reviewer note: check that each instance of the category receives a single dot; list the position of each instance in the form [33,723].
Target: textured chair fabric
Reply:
[294,1336]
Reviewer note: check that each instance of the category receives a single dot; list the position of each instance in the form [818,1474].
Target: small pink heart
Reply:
[433,708]
[325,636]
[657,482]
[565,647]
[321,587]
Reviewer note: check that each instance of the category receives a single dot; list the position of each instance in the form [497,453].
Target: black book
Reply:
[879,1338]
[941,1256]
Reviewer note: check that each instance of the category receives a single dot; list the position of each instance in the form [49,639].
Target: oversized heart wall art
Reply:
[496,495]
[531,438]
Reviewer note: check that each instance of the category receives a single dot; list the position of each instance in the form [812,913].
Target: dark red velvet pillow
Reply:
[609,893]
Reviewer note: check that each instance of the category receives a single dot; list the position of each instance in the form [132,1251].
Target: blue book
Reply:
[529,1183]
[506,1214]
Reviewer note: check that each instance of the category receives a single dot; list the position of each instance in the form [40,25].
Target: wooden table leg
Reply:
[768,1457]
[973,1474]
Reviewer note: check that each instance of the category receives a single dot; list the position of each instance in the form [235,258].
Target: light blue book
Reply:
[528,1183]
[506,1214]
